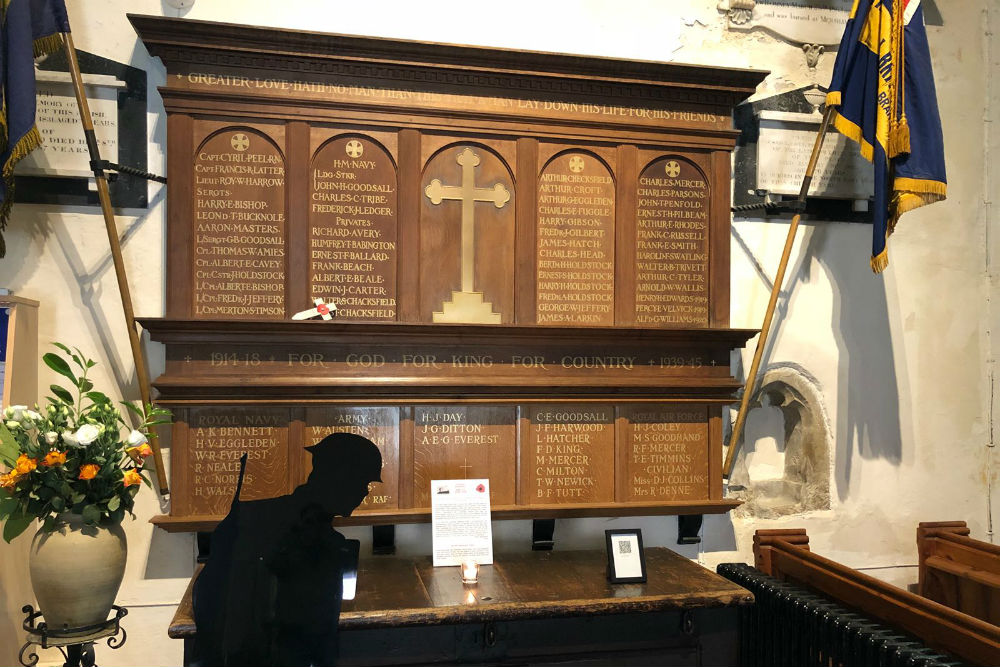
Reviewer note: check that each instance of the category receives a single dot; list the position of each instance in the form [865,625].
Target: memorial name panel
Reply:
[352,228]
[217,437]
[466,251]
[666,453]
[575,261]
[464,442]
[239,227]
[569,454]
[378,424]
[671,270]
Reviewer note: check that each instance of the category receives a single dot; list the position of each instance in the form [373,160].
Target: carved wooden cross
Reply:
[468,194]
[466,467]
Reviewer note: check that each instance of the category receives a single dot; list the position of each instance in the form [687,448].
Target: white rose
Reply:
[16,412]
[32,415]
[51,438]
[70,439]
[86,434]
[11,424]
[135,439]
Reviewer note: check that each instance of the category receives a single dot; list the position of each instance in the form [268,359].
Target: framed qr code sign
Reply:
[626,560]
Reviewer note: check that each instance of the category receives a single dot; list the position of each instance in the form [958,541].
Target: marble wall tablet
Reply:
[352,228]
[466,237]
[568,455]
[667,453]
[671,255]
[217,437]
[239,226]
[464,442]
[575,261]
[381,426]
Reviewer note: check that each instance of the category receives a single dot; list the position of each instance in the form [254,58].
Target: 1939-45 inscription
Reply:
[528,255]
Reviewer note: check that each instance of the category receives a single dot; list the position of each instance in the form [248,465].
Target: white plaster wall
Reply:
[904,359]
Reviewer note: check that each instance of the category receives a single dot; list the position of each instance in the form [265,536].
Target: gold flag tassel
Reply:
[899,128]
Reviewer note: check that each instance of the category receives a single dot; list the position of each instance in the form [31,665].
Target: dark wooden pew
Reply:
[867,602]
[958,571]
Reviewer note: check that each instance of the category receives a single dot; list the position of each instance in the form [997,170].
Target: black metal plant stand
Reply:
[76,644]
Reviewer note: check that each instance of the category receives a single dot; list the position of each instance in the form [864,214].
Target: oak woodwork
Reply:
[958,571]
[523,248]
[785,554]
[398,592]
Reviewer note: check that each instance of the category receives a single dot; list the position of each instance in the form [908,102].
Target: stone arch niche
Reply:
[672,242]
[239,226]
[575,255]
[353,228]
[467,237]
[805,483]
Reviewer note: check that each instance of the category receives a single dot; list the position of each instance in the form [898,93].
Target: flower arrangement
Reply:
[70,456]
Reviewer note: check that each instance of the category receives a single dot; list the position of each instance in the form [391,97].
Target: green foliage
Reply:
[72,454]
[8,447]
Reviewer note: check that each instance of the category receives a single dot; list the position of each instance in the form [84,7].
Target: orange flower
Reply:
[132,477]
[10,479]
[25,465]
[143,450]
[89,470]
[54,459]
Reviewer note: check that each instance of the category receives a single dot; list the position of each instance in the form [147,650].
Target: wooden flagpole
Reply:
[116,252]
[779,278]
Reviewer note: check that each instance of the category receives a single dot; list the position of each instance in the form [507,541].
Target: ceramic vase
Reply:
[76,571]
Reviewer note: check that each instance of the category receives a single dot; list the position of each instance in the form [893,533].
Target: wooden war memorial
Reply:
[529,255]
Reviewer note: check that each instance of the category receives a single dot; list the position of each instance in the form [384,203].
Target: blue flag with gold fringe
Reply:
[884,98]
[30,29]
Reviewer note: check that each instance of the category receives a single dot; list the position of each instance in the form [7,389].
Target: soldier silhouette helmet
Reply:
[343,466]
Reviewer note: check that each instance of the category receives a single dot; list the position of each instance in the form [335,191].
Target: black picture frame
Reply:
[620,570]
[127,192]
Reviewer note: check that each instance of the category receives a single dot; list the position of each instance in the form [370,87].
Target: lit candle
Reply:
[470,572]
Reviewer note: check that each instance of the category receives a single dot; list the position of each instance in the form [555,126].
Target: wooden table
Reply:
[534,608]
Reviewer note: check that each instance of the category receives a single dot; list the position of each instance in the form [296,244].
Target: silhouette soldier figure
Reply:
[271,591]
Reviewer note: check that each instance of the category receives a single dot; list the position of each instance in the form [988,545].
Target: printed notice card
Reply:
[460,518]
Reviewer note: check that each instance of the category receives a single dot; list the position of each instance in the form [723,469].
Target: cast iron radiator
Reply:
[789,626]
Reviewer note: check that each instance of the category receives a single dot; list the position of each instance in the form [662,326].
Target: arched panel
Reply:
[239,227]
[672,241]
[467,237]
[575,257]
[352,228]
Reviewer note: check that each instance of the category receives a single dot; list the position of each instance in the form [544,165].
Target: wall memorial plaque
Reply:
[458,442]
[352,228]
[672,245]
[216,440]
[527,251]
[381,426]
[666,453]
[576,241]
[239,225]
[568,455]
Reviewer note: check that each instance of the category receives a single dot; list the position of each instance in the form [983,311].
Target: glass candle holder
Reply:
[470,572]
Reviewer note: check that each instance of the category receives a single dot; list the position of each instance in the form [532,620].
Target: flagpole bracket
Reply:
[111,170]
